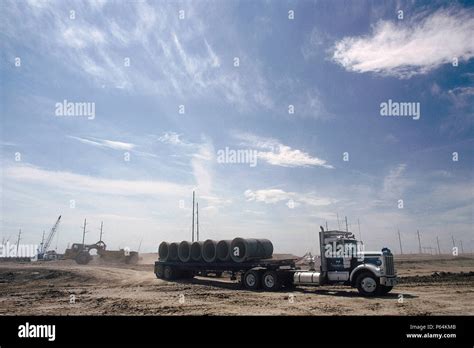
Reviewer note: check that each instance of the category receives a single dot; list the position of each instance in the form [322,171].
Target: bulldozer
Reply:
[81,253]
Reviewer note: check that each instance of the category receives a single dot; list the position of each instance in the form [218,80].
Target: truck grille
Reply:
[389,267]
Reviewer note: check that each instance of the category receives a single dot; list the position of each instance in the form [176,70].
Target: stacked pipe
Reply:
[236,250]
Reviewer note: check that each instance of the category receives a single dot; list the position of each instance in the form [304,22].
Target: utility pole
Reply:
[338,224]
[419,242]
[400,241]
[347,228]
[101,227]
[454,244]
[84,233]
[192,228]
[197,221]
[437,241]
[18,242]
[462,249]
[327,226]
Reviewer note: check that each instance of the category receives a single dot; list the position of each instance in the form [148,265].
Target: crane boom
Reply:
[50,236]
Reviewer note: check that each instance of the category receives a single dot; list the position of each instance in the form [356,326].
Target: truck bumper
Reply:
[389,281]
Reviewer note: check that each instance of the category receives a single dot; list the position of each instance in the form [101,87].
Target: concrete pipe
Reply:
[163,251]
[173,252]
[250,249]
[184,251]
[208,251]
[196,248]
[223,250]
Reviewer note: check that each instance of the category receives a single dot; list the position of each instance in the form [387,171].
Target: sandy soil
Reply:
[429,286]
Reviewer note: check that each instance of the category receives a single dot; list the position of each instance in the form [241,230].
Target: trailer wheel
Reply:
[159,271]
[384,290]
[271,281]
[251,280]
[169,273]
[367,284]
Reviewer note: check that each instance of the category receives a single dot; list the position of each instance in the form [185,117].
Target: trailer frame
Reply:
[282,268]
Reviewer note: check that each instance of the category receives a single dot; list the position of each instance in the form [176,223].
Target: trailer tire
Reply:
[159,271]
[384,290]
[271,281]
[367,284]
[251,280]
[169,273]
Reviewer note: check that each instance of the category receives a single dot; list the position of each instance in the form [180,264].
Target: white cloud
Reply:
[415,45]
[280,154]
[167,57]
[172,138]
[461,96]
[83,183]
[214,200]
[395,183]
[81,37]
[201,164]
[272,196]
[111,144]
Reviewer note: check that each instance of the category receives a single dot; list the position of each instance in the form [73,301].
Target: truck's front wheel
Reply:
[367,284]
[251,280]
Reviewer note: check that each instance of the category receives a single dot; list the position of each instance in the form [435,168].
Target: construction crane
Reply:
[43,251]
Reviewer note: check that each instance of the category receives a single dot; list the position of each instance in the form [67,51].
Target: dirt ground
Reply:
[429,286]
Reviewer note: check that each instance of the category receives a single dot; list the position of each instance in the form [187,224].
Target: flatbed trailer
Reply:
[275,273]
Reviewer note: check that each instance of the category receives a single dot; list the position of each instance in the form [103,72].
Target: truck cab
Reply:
[344,260]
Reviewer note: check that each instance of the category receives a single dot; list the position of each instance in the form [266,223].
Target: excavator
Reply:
[43,252]
[81,253]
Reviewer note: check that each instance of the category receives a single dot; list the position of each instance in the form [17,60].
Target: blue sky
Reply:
[335,62]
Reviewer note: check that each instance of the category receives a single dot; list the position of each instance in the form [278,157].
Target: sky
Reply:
[296,84]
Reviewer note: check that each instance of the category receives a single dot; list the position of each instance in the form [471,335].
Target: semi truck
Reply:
[343,261]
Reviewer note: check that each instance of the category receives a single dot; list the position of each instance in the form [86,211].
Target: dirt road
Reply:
[428,287]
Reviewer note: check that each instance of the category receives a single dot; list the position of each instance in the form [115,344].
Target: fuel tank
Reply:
[307,277]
